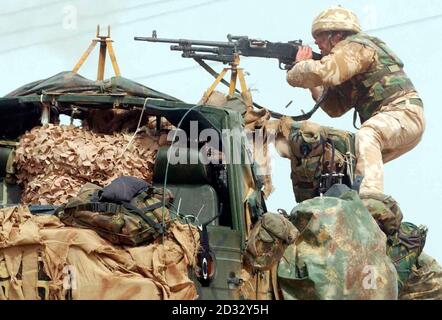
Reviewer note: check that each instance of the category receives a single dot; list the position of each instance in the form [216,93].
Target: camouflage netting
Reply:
[40,258]
[54,162]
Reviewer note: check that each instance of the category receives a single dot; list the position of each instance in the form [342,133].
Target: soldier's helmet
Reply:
[336,18]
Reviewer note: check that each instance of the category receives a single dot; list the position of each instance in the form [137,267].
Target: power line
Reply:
[402,24]
[111,12]
[48,4]
[406,23]
[203,4]
[162,14]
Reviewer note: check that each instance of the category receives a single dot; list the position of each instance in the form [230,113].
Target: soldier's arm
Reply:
[346,60]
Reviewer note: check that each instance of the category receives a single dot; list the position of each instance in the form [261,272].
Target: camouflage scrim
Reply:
[339,254]
[53,162]
[336,18]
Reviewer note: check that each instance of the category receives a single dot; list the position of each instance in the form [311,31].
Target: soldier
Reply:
[359,71]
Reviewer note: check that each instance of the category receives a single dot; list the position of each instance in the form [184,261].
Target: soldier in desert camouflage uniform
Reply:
[359,71]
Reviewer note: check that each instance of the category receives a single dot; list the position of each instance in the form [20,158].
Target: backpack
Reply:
[404,248]
[405,241]
[121,222]
[268,240]
[321,157]
[385,210]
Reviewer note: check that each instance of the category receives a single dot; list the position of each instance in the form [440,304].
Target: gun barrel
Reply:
[224,58]
[194,49]
[186,42]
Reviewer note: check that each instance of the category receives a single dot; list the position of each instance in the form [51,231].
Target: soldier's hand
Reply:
[304,53]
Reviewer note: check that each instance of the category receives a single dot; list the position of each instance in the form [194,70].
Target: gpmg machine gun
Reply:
[227,52]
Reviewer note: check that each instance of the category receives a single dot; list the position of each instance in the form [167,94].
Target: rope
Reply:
[168,160]
[276,115]
[136,131]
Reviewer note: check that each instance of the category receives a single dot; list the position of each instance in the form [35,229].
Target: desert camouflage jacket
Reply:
[354,62]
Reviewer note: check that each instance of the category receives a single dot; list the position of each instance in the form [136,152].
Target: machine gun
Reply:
[227,52]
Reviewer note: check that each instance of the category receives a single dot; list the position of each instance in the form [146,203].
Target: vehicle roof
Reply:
[67,88]
[73,83]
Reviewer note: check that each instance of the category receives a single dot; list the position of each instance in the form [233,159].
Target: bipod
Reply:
[105,45]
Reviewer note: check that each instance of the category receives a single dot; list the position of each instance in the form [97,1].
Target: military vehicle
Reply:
[225,193]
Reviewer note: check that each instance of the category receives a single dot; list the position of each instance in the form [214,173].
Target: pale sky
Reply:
[42,38]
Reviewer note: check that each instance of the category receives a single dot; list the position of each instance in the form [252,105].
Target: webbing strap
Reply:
[152,207]
[274,114]
[141,213]
[97,207]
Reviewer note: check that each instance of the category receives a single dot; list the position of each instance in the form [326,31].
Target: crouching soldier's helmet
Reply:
[336,18]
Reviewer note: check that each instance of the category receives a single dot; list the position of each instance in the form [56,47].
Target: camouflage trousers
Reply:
[395,130]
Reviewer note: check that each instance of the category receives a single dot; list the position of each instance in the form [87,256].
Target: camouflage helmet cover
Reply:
[336,18]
